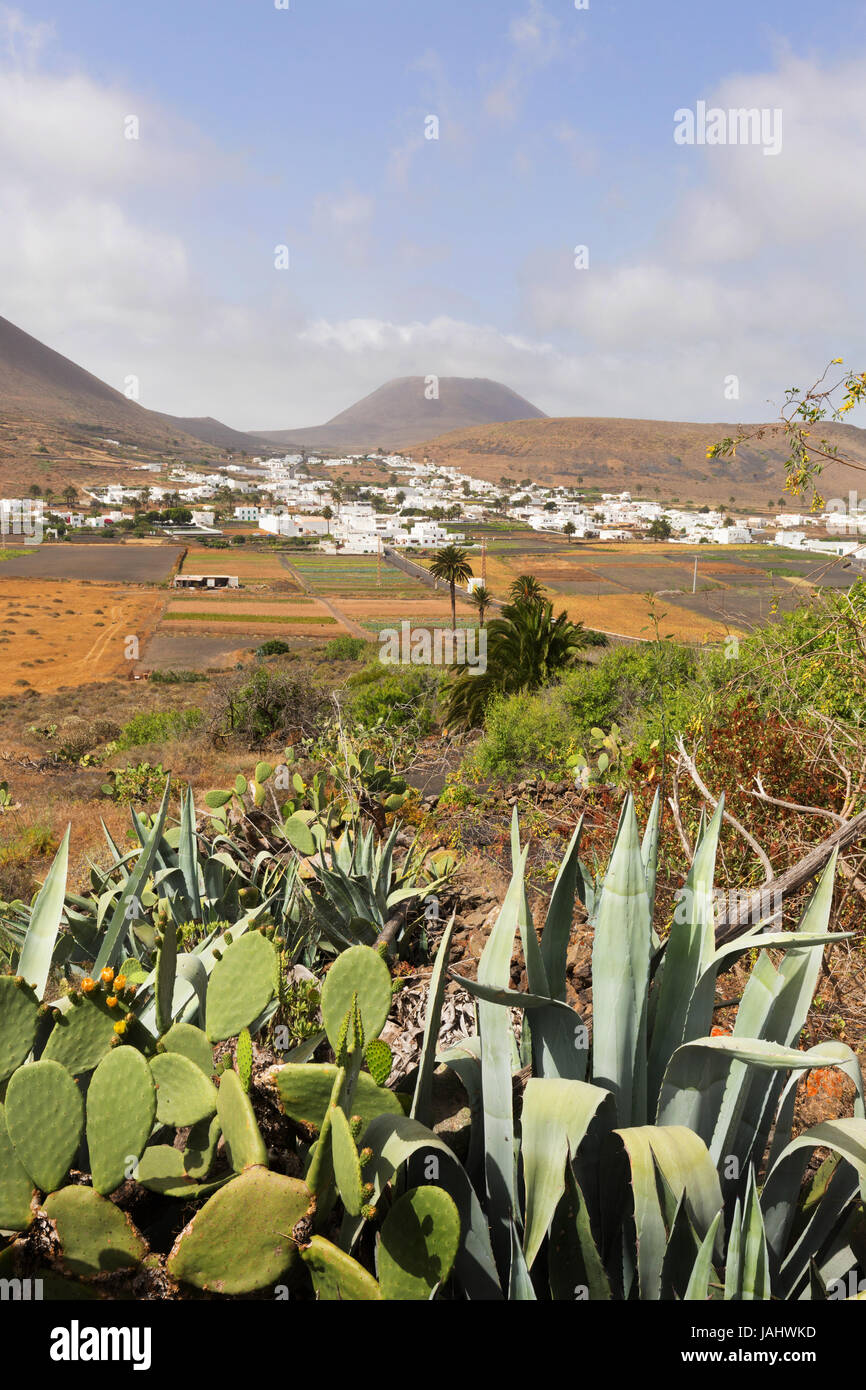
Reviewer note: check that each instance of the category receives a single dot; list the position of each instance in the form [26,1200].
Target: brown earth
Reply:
[662,458]
[63,633]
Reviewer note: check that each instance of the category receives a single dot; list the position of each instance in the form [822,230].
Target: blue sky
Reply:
[261,127]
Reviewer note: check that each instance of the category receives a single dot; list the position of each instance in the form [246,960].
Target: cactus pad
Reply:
[242,1135]
[241,985]
[361,971]
[244,1057]
[18,1023]
[16,1188]
[184,1095]
[121,1105]
[162,1169]
[45,1119]
[241,1239]
[347,1165]
[336,1276]
[201,1146]
[94,1234]
[192,1043]
[304,1092]
[379,1059]
[83,1034]
[420,1239]
[166,969]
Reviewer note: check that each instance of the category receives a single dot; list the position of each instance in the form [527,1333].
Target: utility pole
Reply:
[379,565]
[484,560]
[695,580]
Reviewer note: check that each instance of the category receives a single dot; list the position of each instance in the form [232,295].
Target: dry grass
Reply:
[64,632]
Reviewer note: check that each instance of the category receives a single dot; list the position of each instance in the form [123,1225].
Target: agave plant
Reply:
[632,1170]
[359,887]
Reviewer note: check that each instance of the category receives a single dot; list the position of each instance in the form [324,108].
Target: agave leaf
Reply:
[34,963]
[109,951]
[573,1258]
[520,1286]
[687,1167]
[702,1090]
[422,1100]
[755,1275]
[560,915]
[188,854]
[698,1286]
[494,970]
[649,853]
[689,950]
[734,1261]
[556,1115]
[846,1137]
[620,974]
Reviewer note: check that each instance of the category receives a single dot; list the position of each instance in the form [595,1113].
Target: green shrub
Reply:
[393,697]
[158,726]
[274,647]
[521,732]
[346,649]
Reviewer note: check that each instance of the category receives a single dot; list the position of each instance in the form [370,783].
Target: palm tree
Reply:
[526,648]
[569,528]
[70,495]
[526,589]
[35,490]
[451,563]
[328,515]
[482,598]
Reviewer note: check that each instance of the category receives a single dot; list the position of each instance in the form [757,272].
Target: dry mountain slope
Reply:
[399,413]
[659,456]
[39,386]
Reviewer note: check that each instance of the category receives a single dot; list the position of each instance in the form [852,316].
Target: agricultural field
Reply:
[357,576]
[136,562]
[372,596]
[605,585]
[252,567]
[55,634]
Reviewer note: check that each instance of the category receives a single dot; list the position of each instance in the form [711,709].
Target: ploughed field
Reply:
[97,561]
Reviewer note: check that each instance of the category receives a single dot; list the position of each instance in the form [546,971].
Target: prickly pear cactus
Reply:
[237,1119]
[19,1020]
[244,1057]
[420,1239]
[191,1042]
[184,1095]
[95,1235]
[347,1164]
[336,1276]
[304,1093]
[166,970]
[201,1147]
[242,984]
[83,1033]
[358,971]
[16,1186]
[121,1106]
[45,1120]
[241,1239]
[379,1059]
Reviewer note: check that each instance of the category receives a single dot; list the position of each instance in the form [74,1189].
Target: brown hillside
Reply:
[659,457]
